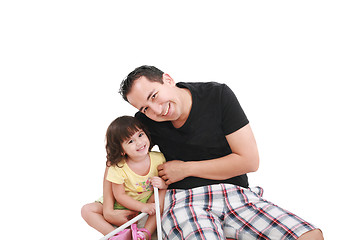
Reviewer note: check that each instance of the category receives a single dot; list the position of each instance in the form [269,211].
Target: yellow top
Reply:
[136,186]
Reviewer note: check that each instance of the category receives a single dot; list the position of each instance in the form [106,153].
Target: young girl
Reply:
[132,172]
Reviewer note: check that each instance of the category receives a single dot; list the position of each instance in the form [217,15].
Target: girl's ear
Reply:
[168,80]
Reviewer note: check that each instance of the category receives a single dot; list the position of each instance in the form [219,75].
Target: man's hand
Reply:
[173,171]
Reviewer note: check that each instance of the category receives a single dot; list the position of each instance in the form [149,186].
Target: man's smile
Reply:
[166,110]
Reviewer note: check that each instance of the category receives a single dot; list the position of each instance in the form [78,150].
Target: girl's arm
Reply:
[116,217]
[109,200]
[130,203]
[162,193]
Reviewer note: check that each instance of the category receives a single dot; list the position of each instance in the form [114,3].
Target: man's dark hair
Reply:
[152,73]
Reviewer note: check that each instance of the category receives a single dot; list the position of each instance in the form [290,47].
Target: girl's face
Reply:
[137,145]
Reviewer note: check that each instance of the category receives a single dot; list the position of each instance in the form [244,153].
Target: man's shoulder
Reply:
[200,84]
[203,88]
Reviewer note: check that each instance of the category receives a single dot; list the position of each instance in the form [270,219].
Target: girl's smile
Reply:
[142,148]
[137,146]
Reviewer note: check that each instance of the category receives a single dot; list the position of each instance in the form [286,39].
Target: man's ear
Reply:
[168,80]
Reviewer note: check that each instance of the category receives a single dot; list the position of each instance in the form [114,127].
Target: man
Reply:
[209,147]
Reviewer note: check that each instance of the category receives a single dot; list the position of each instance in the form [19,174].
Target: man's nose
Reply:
[156,108]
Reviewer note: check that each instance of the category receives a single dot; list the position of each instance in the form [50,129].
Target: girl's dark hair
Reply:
[152,73]
[121,129]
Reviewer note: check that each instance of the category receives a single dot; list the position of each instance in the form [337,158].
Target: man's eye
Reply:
[145,109]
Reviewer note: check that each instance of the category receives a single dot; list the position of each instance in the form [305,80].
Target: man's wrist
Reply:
[189,169]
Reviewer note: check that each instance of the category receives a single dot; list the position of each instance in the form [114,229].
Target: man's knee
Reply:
[313,235]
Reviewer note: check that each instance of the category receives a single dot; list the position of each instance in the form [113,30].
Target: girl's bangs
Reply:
[131,130]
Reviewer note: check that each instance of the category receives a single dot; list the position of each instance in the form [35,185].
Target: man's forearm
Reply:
[222,168]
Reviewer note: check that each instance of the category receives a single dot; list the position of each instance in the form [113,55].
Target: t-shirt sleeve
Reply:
[158,158]
[233,116]
[163,160]
[116,175]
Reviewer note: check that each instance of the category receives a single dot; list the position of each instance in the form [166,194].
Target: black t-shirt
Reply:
[215,113]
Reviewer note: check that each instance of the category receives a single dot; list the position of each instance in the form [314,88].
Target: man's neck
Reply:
[186,100]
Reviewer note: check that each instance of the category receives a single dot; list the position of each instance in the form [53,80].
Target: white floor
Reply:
[293,65]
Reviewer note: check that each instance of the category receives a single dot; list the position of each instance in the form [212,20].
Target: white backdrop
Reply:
[293,65]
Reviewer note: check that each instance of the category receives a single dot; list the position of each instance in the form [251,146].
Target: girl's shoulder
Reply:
[116,174]
[157,156]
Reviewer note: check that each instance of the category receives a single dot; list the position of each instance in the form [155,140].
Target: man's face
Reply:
[159,102]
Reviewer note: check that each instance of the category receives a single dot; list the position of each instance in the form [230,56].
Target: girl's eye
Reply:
[153,96]
[145,109]
[141,134]
[131,141]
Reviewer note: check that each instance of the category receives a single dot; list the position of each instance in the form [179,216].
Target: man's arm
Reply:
[243,159]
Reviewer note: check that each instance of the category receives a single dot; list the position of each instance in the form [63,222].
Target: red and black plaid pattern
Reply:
[226,211]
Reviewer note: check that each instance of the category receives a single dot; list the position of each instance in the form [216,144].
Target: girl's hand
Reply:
[158,182]
[149,208]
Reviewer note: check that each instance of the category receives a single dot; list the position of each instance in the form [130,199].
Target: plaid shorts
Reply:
[227,211]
